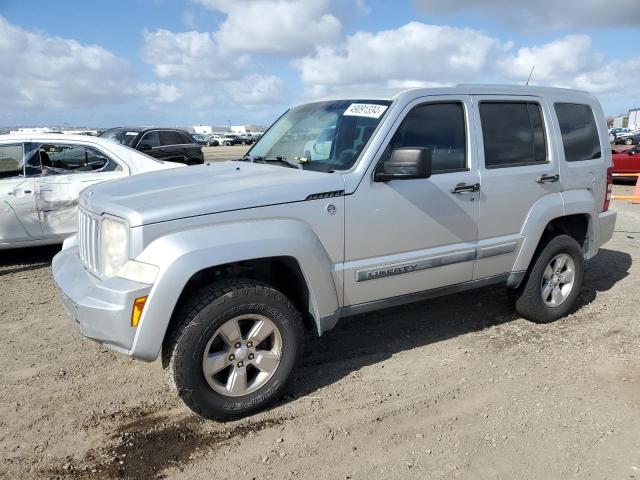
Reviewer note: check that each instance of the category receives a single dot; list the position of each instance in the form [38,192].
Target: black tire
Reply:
[199,319]
[628,141]
[528,297]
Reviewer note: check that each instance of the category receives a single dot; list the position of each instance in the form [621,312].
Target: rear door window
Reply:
[513,134]
[168,137]
[579,132]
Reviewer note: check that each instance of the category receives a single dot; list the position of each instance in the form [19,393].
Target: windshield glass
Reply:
[121,135]
[323,136]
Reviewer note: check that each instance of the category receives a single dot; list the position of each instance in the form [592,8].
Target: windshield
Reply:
[323,136]
[121,135]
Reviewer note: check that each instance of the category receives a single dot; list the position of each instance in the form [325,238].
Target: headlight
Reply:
[114,246]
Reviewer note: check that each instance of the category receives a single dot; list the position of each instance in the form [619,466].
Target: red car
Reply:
[626,160]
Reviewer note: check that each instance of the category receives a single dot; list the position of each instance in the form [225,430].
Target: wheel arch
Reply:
[571,213]
[283,253]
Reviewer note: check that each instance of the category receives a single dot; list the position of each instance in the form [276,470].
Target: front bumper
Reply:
[607,221]
[101,309]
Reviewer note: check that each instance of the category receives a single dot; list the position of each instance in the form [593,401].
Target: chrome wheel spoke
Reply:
[215,362]
[237,381]
[566,276]
[558,278]
[261,331]
[266,361]
[556,296]
[229,352]
[230,332]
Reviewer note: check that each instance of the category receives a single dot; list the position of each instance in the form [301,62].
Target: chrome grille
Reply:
[89,241]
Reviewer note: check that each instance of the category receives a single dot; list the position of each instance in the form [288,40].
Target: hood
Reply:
[204,189]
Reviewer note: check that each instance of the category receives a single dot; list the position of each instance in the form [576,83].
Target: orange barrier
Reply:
[635,198]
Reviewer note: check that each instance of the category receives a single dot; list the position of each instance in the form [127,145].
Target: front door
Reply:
[67,169]
[518,168]
[18,217]
[407,236]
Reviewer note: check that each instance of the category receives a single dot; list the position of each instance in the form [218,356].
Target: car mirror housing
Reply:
[406,163]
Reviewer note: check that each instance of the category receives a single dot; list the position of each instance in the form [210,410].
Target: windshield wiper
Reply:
[278,159]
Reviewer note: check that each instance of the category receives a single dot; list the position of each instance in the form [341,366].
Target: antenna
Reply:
[530,73]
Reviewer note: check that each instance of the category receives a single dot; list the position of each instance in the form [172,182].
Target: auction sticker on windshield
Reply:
[365,110]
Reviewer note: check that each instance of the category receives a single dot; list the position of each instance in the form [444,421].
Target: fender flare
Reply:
[548,208]
[182,254]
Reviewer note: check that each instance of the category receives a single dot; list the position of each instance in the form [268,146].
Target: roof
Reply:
[462,89]
[55,137]
[145,129]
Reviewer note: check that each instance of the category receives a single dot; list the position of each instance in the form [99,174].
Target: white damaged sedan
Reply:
[41,177]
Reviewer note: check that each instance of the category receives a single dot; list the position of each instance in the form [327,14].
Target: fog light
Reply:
[136,313]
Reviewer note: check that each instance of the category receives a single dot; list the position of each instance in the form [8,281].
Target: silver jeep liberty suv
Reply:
[345,205]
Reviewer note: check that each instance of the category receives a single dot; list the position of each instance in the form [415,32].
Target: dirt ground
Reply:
[457,387]
[218,154]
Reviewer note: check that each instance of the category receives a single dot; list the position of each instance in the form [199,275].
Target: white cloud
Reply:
[571,62]
[257,89]
[280,27]
[191,56]
[57,72]
[159,92]
[543,14]
[206,75]
[415,53]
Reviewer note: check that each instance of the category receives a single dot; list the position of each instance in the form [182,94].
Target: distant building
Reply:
[633,122]
[620,122]
[34,130]
[202,129]
[247,129]
[81,131]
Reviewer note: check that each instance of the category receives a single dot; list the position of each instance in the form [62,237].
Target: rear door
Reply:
[18,217]
[518,167]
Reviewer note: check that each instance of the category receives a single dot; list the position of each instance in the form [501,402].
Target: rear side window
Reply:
[168,138]
[579,132]
[438,126]
[10,160]
[182,139]
[513,134]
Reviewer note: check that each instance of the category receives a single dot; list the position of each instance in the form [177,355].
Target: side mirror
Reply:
[406,163]
[143,147]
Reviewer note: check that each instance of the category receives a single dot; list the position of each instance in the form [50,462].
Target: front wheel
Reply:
[235,349]
[628,141]
[552,286]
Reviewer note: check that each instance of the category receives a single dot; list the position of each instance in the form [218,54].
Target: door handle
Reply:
[548,178]
[464,188]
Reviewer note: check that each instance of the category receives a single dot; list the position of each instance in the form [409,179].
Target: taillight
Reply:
[607,196]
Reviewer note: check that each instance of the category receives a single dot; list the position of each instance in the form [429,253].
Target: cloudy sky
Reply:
[171,62]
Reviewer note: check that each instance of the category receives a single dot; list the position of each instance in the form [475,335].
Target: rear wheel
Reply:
[235,349]
[553,283]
